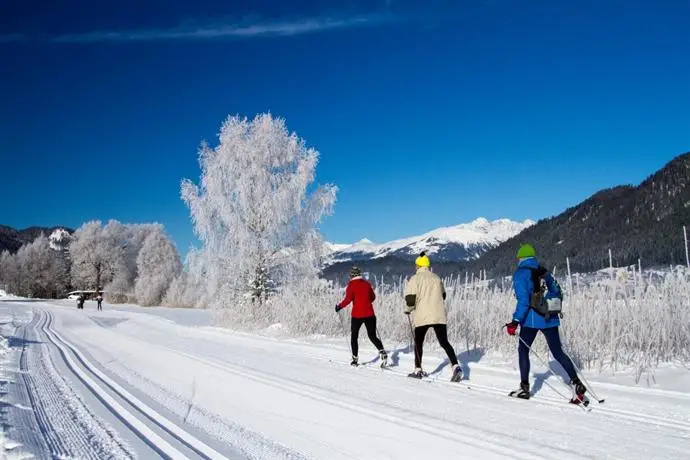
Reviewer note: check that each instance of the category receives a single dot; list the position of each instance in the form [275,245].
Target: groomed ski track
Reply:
[158,389]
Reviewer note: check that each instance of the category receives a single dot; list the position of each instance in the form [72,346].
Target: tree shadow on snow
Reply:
[18,342]
[22,300]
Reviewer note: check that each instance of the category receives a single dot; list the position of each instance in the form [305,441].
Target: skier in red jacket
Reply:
[362,296]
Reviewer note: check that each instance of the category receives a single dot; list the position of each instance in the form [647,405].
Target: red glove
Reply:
[512,326]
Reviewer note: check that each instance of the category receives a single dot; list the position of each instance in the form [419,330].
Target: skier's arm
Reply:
[348,297]
[372,294]
[522,294]
[410,295]
[443,290]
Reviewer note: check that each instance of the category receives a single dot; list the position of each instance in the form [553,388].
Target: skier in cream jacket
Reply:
[424,298]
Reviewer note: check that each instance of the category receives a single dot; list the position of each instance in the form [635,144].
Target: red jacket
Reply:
[360,292]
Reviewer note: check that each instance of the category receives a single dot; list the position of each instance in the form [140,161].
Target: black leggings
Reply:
[370,324]
[441,336]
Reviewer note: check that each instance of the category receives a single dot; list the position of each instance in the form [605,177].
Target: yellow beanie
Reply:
[422,260]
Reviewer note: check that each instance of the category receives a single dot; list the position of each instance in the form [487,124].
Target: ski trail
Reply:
[499,443]
[539,399]
[273,398]
[134,422]
[59,423]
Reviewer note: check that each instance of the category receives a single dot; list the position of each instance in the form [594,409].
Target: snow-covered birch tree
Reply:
[95,255]
[9,272]
[129,239]
[40,270]
[256,209]
[158,263]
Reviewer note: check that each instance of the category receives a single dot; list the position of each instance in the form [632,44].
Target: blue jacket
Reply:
[523,287]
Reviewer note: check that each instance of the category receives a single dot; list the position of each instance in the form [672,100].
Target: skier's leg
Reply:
[553,339]
[527,334]
[354,334]
[370,324]
[442,336]
[419,333]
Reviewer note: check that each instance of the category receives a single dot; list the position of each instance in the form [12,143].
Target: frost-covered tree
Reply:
[256,208]
[95,255]
[130,239]
[9,272]
[158,263]
[40,269]
[106,256]
[185,289]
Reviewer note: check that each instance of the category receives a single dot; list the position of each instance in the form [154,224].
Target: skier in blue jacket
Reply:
[530,298]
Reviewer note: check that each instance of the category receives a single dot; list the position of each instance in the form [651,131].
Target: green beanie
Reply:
[526,250]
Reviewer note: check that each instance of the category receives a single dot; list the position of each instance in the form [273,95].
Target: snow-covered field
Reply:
[131,382]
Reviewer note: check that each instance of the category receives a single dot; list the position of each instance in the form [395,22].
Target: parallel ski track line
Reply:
[159,444]
[63,425]
[55,443]
[483,440]
[546,400]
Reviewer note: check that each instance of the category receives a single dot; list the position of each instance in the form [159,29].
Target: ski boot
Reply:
[578,393]
[418,373]
[522,393]
[457,374]
[384,358]
[355,362]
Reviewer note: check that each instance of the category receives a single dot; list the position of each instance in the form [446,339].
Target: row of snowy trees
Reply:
[36,270]
[131,262]
[255,212]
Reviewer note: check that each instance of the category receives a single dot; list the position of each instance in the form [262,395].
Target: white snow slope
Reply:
[141,383]
[464,241]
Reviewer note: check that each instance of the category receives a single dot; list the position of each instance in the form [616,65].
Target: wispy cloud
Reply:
[235,30]
[9,38]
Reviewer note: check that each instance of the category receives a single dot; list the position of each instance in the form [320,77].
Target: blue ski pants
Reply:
[553,340]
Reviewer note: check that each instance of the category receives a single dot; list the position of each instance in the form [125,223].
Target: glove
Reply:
[338,308]
[511,327]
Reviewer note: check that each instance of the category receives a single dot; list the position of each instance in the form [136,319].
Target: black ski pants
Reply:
[442,337]
[370,324]
[553,340]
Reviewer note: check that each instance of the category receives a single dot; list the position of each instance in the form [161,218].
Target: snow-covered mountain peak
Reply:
[454,243]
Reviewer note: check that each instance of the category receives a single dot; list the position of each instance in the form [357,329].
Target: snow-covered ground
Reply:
[131,382]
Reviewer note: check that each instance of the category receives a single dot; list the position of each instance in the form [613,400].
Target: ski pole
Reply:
[411,333]
[416,355]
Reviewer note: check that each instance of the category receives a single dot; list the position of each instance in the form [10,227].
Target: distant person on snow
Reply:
[425,296]
[80,302]
[362,296]
[99,299]
[533,314]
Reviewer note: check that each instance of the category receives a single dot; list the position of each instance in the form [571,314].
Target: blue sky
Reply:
[425,113]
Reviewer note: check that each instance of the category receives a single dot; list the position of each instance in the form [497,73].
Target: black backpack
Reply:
[537,302]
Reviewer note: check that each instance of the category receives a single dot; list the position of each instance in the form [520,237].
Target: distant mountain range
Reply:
[636,222]
[446,244]
[448,248]
[12,239]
